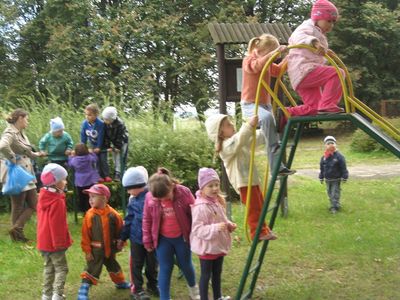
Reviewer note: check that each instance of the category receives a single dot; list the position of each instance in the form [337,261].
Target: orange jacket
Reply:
[101,228]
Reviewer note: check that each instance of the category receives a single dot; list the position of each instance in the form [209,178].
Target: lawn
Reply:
[351,255]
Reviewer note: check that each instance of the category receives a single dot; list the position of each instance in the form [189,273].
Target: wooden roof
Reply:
[242,33]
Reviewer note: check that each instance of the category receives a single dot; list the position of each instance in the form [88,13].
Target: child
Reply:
[260,49]
[117,135]
[135,181]
[53,237]
[167,221]
[86,174]
[233,148]
[56,144]
[92,130]
[101,229]
[333,169]
[210,237]
[317,84]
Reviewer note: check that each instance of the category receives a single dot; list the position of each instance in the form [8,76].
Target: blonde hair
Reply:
[93,108]
[264,42]
[161,183]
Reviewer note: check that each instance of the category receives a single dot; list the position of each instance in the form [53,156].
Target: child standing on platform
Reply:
[234,150]
[53,237]
[56,144]
[84,165]
[135,182]
[317,84]
[333,170]
[101,228]
[92,130]
[167,221]
[115,139]
[210,237]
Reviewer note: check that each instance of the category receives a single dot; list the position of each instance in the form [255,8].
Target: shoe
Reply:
[141,296]
[17,235]
[58,297]
[268,237]
[225,298]
[117,177]
[154,291]
[285,172]
[333,210]
[123,285]
[101,180]
[282,120]
[194,293]
[83,292]
[332,110]
[108,179]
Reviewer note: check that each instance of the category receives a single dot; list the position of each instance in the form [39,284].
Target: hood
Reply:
[212,126]
[48,197]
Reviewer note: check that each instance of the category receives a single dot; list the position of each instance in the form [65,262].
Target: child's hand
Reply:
[68,152]
[231,226]
[222,226]
[281,49]
[109,149]
[149,248]
[96,150]
[253,121]
[320,49]
[73,153]
[89,256]
[42,153]
[116,150]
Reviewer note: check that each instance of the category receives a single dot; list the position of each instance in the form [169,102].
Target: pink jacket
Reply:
[182,199]
[303,61]
[205,237]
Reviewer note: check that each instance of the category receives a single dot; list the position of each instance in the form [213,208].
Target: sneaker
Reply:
[268,237]
[123,285]
[225,298]
[194,293]
[107,179]
[58,297]
[117,177]
[333,210]
[141,296]
[332,110]
[285,172]
[154,291]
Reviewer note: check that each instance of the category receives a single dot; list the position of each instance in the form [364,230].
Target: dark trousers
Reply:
[93,268]
[141,258]
[23,205]
[102,164]
[210,269]
[83,198]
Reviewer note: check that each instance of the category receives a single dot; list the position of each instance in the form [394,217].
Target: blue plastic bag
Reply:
[17,179]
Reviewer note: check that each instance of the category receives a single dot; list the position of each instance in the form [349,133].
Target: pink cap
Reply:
[324,10]
[206,175]
[99,189]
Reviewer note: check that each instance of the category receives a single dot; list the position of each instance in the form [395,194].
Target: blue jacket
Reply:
[93,132]
[333,167]
[133,221]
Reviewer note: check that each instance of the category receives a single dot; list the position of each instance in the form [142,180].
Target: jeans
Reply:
[166,250]
[333,191]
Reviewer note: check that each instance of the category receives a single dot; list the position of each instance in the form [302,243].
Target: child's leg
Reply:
[119,158]
[93,268]
[216,277]
[206,267]
[114,270]
[332,90]
[138,255]
[83,198]
[151,270]
[59,260]
[165,255]
[48,276]
[335,193]
[184,258]
[103,167]
[254,209]
[329,191]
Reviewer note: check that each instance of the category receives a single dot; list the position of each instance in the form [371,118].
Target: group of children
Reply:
[164,219]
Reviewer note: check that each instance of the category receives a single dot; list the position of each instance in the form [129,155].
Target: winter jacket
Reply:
[182,199]
[235,154]
[252,66]
[56,146]
[205,237]
[15,144]
[133,221]
[85,169]
[94,133]
[52,228]
[115,134]
[101,228]
[333,167]
[303,61]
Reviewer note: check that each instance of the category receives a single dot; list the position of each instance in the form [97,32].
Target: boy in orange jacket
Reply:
[101,229]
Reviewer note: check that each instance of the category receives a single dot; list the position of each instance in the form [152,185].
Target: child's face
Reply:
[97,201]
[108,121]
[211,189]
[135,192]
[168,196]
[61,184]
[330,146]
[227,129]
[326,26]
[57,133]
[90,116]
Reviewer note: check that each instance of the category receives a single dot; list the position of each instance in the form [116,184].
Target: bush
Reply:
[361,142]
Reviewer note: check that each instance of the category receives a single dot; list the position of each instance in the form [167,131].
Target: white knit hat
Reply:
[213,124]
[109,113]
[53,173]
[329,138]
[135,177]
[56,124]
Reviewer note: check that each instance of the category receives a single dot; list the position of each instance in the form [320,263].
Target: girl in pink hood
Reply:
[210,238]
[317,84]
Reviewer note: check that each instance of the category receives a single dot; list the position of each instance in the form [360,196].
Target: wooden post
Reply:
[221,78]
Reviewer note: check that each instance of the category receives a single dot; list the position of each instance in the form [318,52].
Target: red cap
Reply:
[99,189]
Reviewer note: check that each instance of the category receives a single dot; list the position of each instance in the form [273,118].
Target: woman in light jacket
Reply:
[15,147]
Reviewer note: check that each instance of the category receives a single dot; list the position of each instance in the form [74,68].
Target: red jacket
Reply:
[182,199]
[52,227]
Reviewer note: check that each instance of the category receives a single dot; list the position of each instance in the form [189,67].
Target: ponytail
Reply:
[252,44]
[161,183]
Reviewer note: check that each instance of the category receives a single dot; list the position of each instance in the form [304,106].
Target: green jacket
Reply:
[56,146]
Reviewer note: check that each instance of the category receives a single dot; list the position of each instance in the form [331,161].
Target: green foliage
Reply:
[362,142]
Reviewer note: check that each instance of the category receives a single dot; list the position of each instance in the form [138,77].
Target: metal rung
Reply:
[256,266]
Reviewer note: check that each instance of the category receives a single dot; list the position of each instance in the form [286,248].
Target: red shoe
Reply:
[108,179]
[331,110]
[268,237]
[100,180]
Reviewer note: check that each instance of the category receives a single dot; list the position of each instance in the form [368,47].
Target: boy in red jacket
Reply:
[53,237]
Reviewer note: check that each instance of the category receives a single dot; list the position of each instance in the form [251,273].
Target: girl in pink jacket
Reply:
[210,238]
[166,227]
[317,84]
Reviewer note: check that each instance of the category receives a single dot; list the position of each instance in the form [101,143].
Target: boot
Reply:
[83,293]
[17,235]
[194,293]
[58,297]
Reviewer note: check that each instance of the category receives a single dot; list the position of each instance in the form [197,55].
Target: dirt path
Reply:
[362,171]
